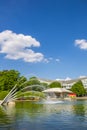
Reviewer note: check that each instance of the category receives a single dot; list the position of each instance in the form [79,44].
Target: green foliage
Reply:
[33,82]
[26,95]
[33,78]
[21,82]
[8,78]
[34,87]
[78,88]
[45,85]
[55,84]
[37,88]
[3,94]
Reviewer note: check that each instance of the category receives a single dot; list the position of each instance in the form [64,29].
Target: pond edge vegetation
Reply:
[32,88]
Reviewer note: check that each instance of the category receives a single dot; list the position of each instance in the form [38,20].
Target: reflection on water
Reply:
[33,116]
[79,109]
[7,115]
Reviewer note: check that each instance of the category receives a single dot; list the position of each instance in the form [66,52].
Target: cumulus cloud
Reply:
[82,43]
[57,60]
[18,46]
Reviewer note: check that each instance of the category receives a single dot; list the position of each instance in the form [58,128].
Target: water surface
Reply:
[69,115]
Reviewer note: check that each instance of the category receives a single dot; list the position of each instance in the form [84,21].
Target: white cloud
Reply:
[57,60]
[46,60]
[59,79]
[50,59]
[18,46]
[82,43]
[82,76]
[66,79]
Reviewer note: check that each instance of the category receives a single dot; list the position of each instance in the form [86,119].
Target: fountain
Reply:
[12,95]
[51,98]
[33,86]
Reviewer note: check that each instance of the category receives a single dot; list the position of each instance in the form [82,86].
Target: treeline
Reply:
[10,78]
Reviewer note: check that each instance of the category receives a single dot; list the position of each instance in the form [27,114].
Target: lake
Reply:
[66,115]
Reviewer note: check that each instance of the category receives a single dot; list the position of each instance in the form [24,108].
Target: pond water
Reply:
[67,115]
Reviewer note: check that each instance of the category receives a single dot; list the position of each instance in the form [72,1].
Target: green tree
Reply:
[78,88]
[8,78]
[22,81]
[32,84]
[33,78]
[45,85]
[35,84]
[33,81]
[55,84]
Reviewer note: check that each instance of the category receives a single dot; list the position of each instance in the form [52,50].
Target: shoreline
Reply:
[82,98]
[77,98]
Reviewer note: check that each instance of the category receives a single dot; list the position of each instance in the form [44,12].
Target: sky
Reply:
[44,38]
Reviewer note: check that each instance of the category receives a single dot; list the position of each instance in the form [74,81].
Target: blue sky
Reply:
[45,38]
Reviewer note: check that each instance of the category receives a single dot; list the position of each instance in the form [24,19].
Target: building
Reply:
[67,83]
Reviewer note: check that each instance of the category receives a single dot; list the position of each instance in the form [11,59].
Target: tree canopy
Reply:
[55,84]
[78,88]
[8,78]
[34,84]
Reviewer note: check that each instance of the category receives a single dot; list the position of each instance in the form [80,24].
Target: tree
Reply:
[55,84]
[35,85]
[22,81]
[78,88]
[45,85]
[33,78]
[30,84]
[33,81]
[8,78]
